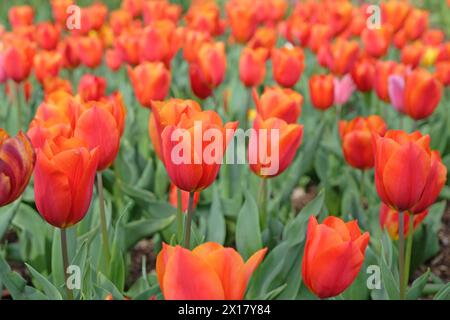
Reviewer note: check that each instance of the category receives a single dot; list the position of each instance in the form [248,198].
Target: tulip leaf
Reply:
[216,221]
[248,232]
[389,282]
[7,214]
[140,229]
[104,283]
[443,293]
[49,289]
[417,286]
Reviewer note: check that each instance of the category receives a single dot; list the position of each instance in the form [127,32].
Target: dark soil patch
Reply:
[301,196]
[142,248]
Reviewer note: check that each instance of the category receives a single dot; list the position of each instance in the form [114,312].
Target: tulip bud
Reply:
[91,51]
[47,35]
[21,16]
[288,65]
[321,90]
[252,66]
[18,60]
[47,64]
[363,74]
[91,87]
[389,221]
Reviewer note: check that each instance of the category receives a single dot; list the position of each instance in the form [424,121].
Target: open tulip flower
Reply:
[208,272]
[334,253]
[285,104]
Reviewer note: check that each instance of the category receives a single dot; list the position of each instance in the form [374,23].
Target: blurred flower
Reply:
[192,41]
[442,72]
[91,87]
[243,19]
[252,66]
[333,255]
[297,30]
[264,37]
[70,51]
[21,16]
[133,6]
[59,10]
[128,47]
[389,221]
[208,272]
[412,54]
[343,89]
[113,59]
[433,37]
[416,23]
[363,74]
[320,35]
[91,51]
[16,165]
[285,104]
[47,35]
[408,175]
[160,10]
[339,57]
[356,136]
[376,41]
[151,81]
[396,89]
[54,84]
[383,70]
[394,12]
[288,65]
[273,145]
[173,198]
[47,64]
[321,91]
[64,180]
[18,60]
[430,56]
[205,17]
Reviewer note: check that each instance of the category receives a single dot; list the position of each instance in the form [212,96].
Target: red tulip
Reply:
[377,41]
[47,64]
[91,51]
[173,198]
[252,66]
[91,87]
[339,57]
[242,18]
[416,23]
[18,60]
[383,70]
[21,16]
[321,90]
[59,10]
[443,72]
[47,35]
[333,256]
[389,221]
[363,74]
[285,104]
[288,65]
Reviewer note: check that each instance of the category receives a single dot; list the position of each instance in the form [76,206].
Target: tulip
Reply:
[339,57]
[412,54]
[209,272]
[394,13]
[416,23]
[273,145]
[442,72]
[192,42]
[212,62]
[252,66]
[199,84]
[408,175]
[333,256]
[120,20]
[363,74]
[57,84]
[356,136]
[64,180]
[383,70]
[389,221]
[113,59]
[264,37]
[160,10]
[173,198]
[91,51]
[70,51]
[242,18]
[168,113]
[47,64]
[21,16]
[288,65]
[396,89]
[47,35]
[298,31]
[422,94]
[200,161]
[133,6]
[321,90]
[91,87]
[205,16]
[343,89]
[59,10]
[128,46]
[285,104]
[18,60]
[319,35]
[433,37]
[151,81]
[376,41]
[16,165]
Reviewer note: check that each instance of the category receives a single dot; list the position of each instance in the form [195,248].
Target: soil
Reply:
[300,197]
[141,249]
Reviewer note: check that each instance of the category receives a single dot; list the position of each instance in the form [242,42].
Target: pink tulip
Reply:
[343,89]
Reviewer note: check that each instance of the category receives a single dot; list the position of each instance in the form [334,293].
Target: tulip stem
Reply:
[179,216]
[187,227]
[263,203]
[362,188]
[401,255]
[65,262]
[409,246]
[19,104]
[101,200]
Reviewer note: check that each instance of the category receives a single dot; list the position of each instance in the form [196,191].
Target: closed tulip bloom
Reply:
[252,66]
[212,61]
[57,84]
[412,54]
[319,34]
[321,90]
[199,164]
[133,6]
[264,37]
[242,18]
[356,136]
[151,81]
[47,64]
[199,85]
[363,74]
[288,65]
[377,41]
[389,221]
[18,60]
[70,51]
[91,51]
[21,16]
[339,57]
[273,145]
[343,89]
[59,10]
[208,272]
[100,125]
[113,59]
[333,256]
[91,87]
[47,35]
[416,23]
[159,10]
[128,46]
[394,12]
[433,37]
[275,102]
[408,175]
[120,20]
[63,181]
[205,16]
[173,198]
[383,70]
[442,72]
[422,94]
[192,41]
[16,165]
[166,113]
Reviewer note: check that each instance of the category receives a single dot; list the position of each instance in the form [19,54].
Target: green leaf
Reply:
[389,282]
[274,293]
[443,293]
[216,221]
[105,284]
[248,233]
[417,286]
[137,230]
[49,289]
[7,214]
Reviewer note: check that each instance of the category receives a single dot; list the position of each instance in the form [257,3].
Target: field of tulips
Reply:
[224,150]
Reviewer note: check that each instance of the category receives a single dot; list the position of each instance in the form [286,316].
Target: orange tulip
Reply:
[297,31]
[21,16]
[319,35]
[47,35]
[64,180]
[443,72]
[16,165]
[394,13]
[192,41]
[212,62]
[408,175]
[57,84]
[197,166]
[321,91]
[100,125]
[252,66]
[242,17]
[363,74]
[133,6]
[18,60]
[339,57]
[273,145]
[70,52]
[383,70]
[113,59]
[160,10]
[356,136]
[209,272]
[264,37]
[120,20]
[47,64]
[416,23]
[334,253]
[173,198]
[288,65]
[91,51]
[376,41]
[151,81]
[91,87]
[167,113]
[422,94]
[412,54]
[433,37]
[285,104]
[205,17]
[59,10]
[128,47]
[389,221]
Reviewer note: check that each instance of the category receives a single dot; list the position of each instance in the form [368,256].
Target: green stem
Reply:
[247,109]
[401,255]
[179,216]
[101,200]
[65,262]
[187,227]
[362,188]
[263,203]
[409,246]
[19,104]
